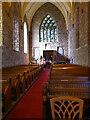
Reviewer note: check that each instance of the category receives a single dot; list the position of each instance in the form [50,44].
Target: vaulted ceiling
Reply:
[29,8]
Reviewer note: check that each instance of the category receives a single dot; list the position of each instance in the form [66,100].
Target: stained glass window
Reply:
[48,16]
[48,30]
[48,21]
[46,24]
[42,25]
[50,24]
[43,21]
[44,35]
[53,21]
[54,25]
[41,35]
[48,35]
[45,18]
[55,37]
[15,35]
[52,35]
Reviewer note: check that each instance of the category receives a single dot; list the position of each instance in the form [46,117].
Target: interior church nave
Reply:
[45,56]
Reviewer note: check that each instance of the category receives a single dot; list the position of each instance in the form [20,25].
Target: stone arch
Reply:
[48,30]
[58,17]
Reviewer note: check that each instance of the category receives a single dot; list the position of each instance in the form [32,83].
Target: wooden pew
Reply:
[69,69]
[63,89]
[21,79]
[6,95]
[15,85]
[52,91]
[70,84]
[83,93]
[66,80]
[69,72]
[22,72]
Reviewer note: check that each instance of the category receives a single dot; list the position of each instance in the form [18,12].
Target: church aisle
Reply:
[30,106]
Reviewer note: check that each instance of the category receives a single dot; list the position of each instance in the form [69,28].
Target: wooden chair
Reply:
[66,107]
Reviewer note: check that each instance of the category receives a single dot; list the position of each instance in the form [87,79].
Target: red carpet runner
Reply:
[30,106]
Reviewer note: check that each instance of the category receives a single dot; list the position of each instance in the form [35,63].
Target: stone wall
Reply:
[57,16]
[89,36]
[9,56]
[79,54]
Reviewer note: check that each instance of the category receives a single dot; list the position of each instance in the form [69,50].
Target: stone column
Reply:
[30,46]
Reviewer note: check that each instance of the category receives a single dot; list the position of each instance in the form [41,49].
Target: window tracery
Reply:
[48,31]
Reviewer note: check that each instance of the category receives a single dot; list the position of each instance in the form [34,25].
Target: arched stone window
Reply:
[61,50]
[48,31]
[25,37]
[15,34]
